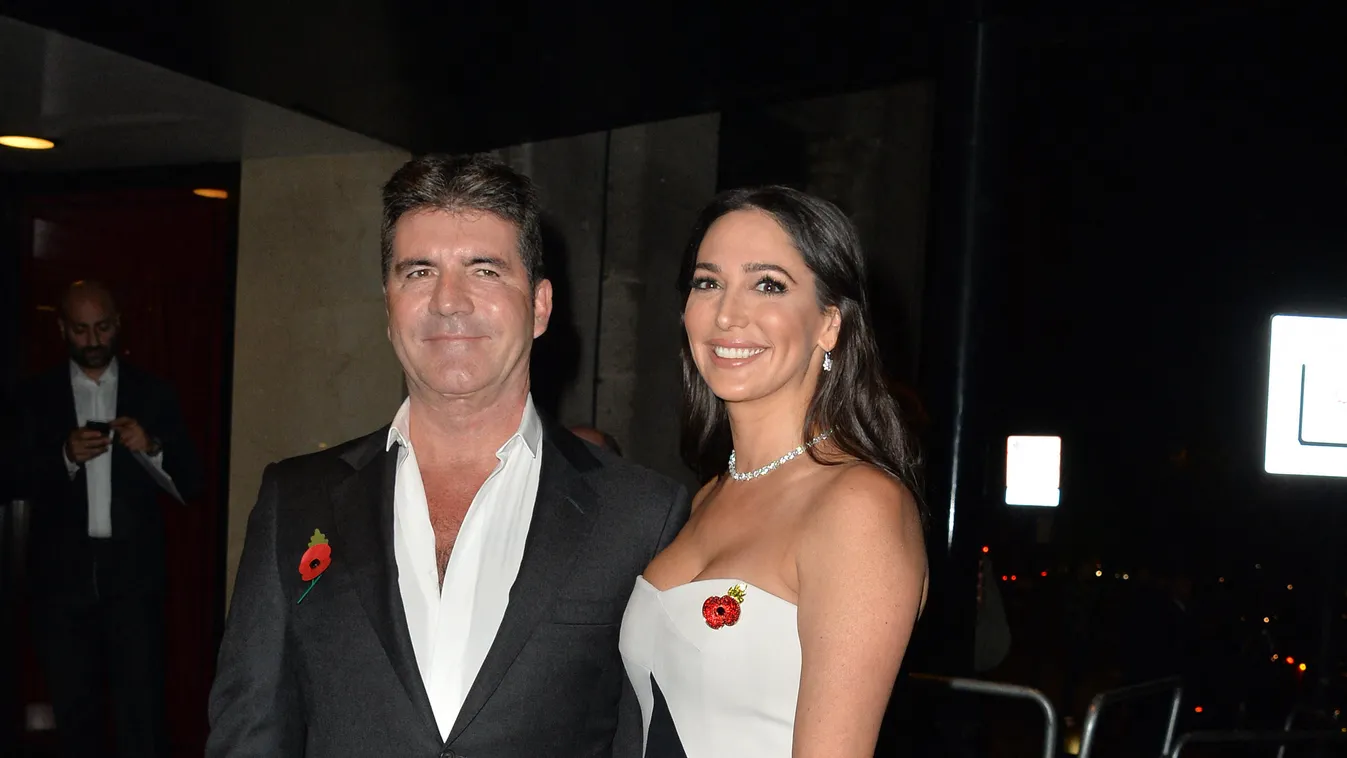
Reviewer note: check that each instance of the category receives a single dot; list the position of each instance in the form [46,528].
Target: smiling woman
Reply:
[791,266]
[747,306]
[813,511]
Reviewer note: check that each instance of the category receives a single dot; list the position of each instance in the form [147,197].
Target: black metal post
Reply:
[959,303]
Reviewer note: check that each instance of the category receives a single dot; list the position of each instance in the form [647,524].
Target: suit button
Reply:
[447,753]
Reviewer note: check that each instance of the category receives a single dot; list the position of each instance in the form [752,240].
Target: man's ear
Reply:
[542,307]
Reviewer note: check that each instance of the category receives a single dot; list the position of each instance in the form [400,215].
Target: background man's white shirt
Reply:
[96,400]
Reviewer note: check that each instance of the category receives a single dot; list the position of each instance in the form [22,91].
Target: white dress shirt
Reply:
[452,628]
[96,400]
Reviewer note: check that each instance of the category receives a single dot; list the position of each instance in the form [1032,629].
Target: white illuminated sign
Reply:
[1033,470]
[1307,397]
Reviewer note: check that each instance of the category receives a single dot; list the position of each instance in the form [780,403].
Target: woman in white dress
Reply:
[775,623]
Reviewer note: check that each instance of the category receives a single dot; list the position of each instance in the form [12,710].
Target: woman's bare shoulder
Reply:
[860,498]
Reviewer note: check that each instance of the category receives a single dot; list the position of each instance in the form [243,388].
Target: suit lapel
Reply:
[363,508]
[563,514]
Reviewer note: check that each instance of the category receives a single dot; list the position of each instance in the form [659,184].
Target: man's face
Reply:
[462,315]
[90,327]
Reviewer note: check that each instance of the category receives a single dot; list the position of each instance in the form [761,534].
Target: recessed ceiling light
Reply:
[26,143]
[214,194]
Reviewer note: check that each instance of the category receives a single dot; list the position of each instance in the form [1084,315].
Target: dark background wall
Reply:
[167,254]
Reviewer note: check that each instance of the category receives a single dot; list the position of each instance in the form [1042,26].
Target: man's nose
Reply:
[451,296]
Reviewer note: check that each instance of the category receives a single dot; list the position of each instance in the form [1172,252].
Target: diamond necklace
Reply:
[769,468]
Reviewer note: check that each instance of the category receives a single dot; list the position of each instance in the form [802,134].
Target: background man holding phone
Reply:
[96,556]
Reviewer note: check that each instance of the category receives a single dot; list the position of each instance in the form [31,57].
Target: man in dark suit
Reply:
[99,441]
[453,584]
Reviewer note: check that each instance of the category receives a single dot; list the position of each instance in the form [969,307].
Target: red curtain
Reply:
[166,254]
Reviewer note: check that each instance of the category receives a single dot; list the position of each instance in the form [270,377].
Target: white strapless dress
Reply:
[726,692]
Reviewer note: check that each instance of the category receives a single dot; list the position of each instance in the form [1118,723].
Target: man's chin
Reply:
[462,386]
[465,390]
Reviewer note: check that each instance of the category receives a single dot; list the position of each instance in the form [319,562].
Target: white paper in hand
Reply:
[160,478]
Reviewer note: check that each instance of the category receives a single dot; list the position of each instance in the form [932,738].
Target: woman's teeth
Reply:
[736,353]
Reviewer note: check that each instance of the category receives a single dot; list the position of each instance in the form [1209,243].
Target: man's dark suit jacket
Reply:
[336,675]
[60,558]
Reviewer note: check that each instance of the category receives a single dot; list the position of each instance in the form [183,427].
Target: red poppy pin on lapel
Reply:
[315,561]
[724,610]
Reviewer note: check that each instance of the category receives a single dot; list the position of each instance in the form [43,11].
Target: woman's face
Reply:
[752,316]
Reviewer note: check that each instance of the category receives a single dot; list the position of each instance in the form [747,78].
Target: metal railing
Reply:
[1239,737]
[999,689]
[1090,729]
[1286,727]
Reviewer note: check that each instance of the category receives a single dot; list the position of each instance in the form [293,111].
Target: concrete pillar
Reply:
[659,176]
[570,175]
[869,152]
[312,363]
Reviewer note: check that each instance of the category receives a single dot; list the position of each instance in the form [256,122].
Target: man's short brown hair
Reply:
[465,184]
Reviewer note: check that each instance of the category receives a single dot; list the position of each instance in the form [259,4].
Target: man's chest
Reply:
[94,401]
[449,514]
[452,491]
[449,496]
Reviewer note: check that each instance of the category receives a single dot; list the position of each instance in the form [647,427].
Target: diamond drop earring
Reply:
[828,361]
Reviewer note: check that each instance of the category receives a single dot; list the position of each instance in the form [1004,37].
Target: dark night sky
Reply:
[1167,187]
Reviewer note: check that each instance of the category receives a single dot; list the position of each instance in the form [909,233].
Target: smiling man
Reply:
[480,554]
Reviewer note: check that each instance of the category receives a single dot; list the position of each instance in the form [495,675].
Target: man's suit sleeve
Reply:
[181,461]
[255,707]
[627,741]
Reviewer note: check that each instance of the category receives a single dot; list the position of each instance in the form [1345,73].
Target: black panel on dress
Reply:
[662,738]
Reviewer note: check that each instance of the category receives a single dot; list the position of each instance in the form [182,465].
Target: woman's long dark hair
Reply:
[853,399]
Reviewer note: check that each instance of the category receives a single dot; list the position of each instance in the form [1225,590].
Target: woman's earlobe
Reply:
[830,334]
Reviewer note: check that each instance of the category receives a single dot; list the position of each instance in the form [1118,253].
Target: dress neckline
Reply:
[728,582]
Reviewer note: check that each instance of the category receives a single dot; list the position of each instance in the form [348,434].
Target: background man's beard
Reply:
[93,357]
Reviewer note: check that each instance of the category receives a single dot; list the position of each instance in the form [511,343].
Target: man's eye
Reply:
[488,272]
[419,273]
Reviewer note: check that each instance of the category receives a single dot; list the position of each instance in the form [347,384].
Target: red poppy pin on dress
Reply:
[724,610]
[315,561]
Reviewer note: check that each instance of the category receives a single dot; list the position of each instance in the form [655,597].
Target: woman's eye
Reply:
[770,286]
[703,283]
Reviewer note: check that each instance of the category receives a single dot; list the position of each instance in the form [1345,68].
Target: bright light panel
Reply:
[1033,470]
[1307,397]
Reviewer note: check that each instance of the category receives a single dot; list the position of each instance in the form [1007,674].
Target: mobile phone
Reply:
[102,427]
